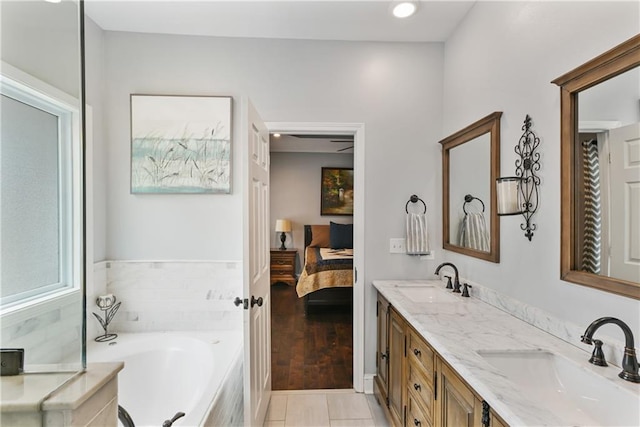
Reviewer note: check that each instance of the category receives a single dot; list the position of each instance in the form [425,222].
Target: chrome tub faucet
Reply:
[456,281]
[629,360]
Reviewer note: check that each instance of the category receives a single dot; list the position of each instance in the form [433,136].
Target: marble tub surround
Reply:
[458,329]
[50,333]
[170,295]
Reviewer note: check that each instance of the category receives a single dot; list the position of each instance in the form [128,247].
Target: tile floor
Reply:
[324,408]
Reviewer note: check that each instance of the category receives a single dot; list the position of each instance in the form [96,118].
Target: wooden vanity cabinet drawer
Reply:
[415,415]
[419,353]
[421,388]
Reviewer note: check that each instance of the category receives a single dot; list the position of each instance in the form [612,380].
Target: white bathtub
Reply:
[170,372]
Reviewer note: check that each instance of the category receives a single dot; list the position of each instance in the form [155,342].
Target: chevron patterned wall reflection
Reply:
[592,247]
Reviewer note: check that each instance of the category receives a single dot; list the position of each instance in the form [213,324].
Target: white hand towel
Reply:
[473,232]
[417,234]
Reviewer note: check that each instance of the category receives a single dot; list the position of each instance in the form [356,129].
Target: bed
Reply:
[327,274]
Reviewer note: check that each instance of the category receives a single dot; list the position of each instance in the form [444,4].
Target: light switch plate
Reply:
[397,246]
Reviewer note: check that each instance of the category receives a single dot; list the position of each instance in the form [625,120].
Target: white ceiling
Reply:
[351,20]
[355,20]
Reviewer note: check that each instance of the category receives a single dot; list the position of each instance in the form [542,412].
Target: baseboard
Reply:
[368,383]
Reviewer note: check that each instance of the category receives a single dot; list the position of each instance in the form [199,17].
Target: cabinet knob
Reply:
[416,422]
[417,352]
[383,356]
[416,386]
[255,301]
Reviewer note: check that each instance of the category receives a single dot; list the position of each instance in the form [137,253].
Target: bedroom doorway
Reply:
[319,347]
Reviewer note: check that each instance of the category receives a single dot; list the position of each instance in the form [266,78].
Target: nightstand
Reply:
[283,266]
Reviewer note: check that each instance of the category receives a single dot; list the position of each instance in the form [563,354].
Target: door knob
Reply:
[255,301]
[238,301]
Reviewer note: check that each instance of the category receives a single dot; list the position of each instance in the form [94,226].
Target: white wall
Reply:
[94,92]
[42,39]
[295,193]
[503,57]
[393,88]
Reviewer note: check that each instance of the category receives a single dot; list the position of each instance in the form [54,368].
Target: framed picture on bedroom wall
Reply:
[336,191]
[180,144]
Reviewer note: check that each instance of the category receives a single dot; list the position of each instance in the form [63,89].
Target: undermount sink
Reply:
[426,294]
[576,395]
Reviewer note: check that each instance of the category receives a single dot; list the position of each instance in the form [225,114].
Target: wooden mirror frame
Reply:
[616,61]
[489,124]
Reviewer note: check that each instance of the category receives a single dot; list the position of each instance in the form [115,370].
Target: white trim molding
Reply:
[357,130]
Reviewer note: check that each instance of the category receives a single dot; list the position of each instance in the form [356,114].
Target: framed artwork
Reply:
[180,144]
[336,191]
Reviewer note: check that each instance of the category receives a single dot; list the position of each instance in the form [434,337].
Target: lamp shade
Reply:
[283,225]
[508,193]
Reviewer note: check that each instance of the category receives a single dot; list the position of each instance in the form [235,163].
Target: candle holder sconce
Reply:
[519,194]
[106,303]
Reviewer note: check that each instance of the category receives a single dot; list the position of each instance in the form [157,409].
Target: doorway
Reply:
[324,347]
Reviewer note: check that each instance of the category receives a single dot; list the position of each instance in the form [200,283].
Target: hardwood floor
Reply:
[313,351]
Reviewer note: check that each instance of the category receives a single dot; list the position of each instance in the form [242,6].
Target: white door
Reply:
[257,304]
[625,202]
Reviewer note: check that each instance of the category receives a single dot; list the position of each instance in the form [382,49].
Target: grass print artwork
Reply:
[337,191]
[180,144]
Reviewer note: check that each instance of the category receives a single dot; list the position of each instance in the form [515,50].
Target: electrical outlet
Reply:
[397,246]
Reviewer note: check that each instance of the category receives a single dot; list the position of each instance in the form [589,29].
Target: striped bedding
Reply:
[325,268]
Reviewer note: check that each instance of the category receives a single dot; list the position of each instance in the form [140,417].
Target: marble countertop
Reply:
[58,390]
[457,330]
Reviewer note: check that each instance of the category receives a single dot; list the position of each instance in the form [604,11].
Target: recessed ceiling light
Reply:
[404,9]
[53,1]
[276,135]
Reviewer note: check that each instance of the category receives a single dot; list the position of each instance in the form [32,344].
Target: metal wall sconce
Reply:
[519,194]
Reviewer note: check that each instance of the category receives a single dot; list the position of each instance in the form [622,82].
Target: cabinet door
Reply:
[457,402]
[382,351]
[485,416]
[496,421]
[397,332]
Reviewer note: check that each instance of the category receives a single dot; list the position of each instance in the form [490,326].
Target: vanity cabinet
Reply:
[415,386]
[382,351]
[397,353]
[420,381]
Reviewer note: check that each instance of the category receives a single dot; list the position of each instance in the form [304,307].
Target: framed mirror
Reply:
[600,176]
[470,166]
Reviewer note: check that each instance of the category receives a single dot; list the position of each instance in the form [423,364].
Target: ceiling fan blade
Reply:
[346,138]
[344,149]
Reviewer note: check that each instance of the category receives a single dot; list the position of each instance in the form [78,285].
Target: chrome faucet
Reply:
[456,280]
[629,361]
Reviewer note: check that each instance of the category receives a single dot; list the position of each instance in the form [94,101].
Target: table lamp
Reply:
[283,226]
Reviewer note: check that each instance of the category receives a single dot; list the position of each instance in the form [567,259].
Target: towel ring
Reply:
[415,199]
[468,199]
